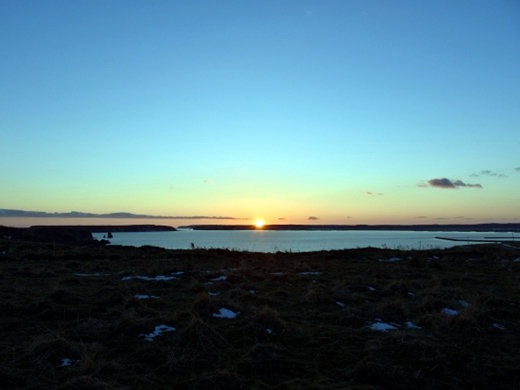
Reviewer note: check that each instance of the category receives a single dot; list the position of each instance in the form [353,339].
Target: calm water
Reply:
[295,241]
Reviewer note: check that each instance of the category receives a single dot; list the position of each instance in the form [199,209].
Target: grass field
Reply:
[148,318]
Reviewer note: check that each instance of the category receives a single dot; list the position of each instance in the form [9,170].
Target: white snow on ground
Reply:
[212,293]
[411,293]
[65,362]
[411,325]
[382,327]
[253,291]
[225,313]
[145,297]
[391,259]
[449,312]
[311,273]
[463,303]
[160,329]
[340,304]
[371,288]
[219,278]
[158,277]
[96,274]
[498,326]
[517,260]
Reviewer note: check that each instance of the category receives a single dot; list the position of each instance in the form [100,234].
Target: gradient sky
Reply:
[345,111]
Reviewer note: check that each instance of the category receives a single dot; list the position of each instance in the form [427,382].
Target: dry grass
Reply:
[303,319]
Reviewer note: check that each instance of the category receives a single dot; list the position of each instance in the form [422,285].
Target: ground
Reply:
[113,317]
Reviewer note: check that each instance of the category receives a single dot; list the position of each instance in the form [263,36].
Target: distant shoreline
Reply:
[485,227]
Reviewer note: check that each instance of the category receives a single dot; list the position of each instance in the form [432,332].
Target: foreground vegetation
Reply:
[84,318]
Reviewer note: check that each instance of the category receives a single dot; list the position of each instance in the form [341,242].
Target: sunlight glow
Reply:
[259,223]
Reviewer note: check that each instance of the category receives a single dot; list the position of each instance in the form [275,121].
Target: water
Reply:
[295,241]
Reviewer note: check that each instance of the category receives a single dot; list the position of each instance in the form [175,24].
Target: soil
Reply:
[78,317]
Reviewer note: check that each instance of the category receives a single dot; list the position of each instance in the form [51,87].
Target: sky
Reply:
[322,112]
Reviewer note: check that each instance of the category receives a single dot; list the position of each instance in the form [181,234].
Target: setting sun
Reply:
[259,223]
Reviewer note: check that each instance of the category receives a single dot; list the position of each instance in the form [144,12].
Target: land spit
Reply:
[112,317]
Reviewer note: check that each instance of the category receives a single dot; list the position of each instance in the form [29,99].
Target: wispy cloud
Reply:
[119,215]
[488,172]
[517,169]
[312,218]
[450,184]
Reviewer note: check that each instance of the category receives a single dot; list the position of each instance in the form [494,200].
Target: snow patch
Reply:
[371,288]
[449,312]
[96,274]
[160,329]
[463,303]
[340,304]
[158,277]
[225,313]
[146,297]
[218,279]
[311,273]
[382,327]
[212,293]
[411,325]
[65,362]
[390,260]
[498,326]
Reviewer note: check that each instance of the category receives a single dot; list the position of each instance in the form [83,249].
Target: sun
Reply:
[259,223]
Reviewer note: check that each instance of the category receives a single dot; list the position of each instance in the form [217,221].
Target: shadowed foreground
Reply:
[149,318]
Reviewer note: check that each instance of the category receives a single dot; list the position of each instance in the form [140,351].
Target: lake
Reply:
[295,241]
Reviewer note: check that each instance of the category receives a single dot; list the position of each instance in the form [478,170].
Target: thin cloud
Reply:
[517,169]
[421,216]
[491,173]
[449,184]
[119,215]
[422,184]
[281,219]
[312,218]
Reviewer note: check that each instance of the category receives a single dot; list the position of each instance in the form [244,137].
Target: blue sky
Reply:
[346,111]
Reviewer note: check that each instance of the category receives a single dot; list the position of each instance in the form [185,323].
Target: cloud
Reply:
[422,216]
[487,172]
[281,219]
[447,183]
[517,169]
[120,215]
[422,184]
[369,193]
[441,183]
[312,218]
